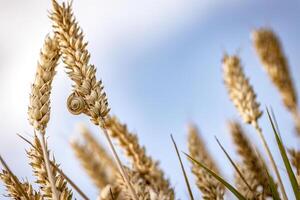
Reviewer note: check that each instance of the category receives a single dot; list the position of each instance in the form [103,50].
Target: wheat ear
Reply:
[255,172]
[14,180]
[88,96]
[96,167]
[243,96]
[39,106]
[13,190]
[269,49]
[37,162]
[208,185]
[142,163]
[140,185]
[295,159]
[98,149]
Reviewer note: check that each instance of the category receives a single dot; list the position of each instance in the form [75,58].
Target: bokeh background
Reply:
[160,62]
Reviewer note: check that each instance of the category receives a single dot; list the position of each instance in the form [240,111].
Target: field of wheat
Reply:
[255,178]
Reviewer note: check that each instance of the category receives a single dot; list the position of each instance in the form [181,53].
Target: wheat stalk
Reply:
[39,106]
[142,163]
[37,162]
[269,49]
[252,164]
[208,185]
[243,96]
[88,96]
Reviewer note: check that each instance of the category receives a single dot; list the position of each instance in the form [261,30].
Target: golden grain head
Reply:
[239,89]
[39,106]
[208,185]
[88,96]
[269,49]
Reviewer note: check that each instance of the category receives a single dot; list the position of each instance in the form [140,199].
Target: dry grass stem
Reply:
[208,185]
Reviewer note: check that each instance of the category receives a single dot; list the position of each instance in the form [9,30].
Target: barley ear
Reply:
[207,184]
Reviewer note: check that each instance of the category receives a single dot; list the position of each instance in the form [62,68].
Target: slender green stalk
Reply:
[183,170]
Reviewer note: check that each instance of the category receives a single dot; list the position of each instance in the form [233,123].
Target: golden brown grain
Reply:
[141,162]
[88,96]
[252,164]
[39,106]
[243,96]
[239,89]
[208,185]
[100,172]
[13,190]
[269,49]
[38,165]
[270,52]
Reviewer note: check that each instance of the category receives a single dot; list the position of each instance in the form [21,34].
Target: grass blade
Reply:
[233,164]
[285,159]
[183,170]
[219,178]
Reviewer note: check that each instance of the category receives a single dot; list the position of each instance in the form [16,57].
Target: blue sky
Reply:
[160,62]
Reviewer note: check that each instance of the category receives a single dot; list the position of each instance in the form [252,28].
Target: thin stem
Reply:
[183,170]
[18,185]
[120,166]
[259,131]
[48,168]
